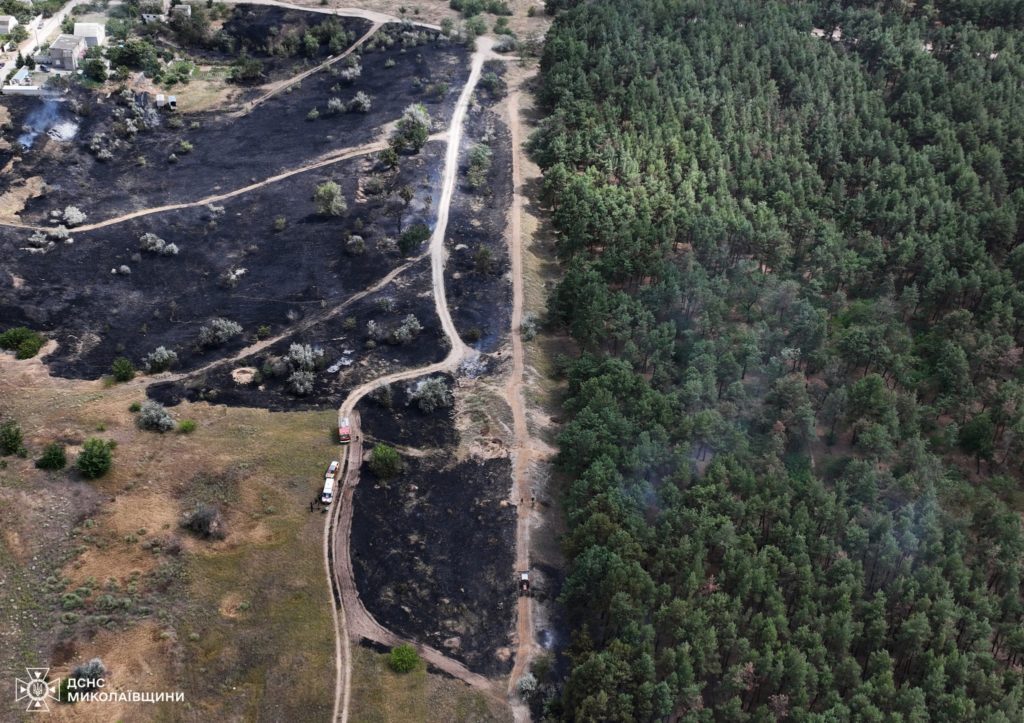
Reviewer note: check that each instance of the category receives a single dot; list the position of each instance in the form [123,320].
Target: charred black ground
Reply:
[432,552]
[227,152]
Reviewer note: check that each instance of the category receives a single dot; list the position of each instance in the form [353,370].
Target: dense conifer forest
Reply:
[791,236]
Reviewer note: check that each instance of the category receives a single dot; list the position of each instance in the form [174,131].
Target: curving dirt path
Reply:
[352,620]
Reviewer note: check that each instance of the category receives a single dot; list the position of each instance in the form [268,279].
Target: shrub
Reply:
[479,165]
[134,407]
[527,685]
[95,458]
[304,357]
[355,245]
[313,114]
[11,438]
[279,223]
[328,199]
[154,244]
[335,106]
[73,216]
[184,147]
[385,462]
[528,327]
[186,426]
[361,103]
[403,658]
[431,394]
[300,382]
[160,360]
[406,331]
[412,238]
[413,129]
[154,417]
[218,331]
[206,522]
[24,342]
[122,369]
[483,260]
[493,84]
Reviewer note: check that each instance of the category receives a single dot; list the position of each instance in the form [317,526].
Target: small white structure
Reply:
[7,24]
[160,101]
[182,10]
[153,18]
[21,77]
[94,33]
[172,102]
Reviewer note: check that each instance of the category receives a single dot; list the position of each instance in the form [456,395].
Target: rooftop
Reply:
[66,42]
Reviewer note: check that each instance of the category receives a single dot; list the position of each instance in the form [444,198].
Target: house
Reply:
[153,18]
[7,24]
[94,33]
[66,51]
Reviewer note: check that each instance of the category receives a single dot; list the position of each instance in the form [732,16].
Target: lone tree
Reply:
[122,369]
[412,130]
[95,458]
[431,394]
[412,238]
[403,659]
[11,440]
[328,199]
[385,462]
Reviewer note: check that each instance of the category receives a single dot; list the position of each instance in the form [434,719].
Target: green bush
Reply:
[122,369]
[403,659]
[53,457]
[134,407]
[186,426]
[385,462]
[412,238]
[23,341]
[11,440]
[95,458]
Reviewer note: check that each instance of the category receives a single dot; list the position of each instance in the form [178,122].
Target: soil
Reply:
[227,152]
[480,298]
[289,276]
[432,552]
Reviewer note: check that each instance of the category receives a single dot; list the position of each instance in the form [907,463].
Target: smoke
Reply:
[47,119]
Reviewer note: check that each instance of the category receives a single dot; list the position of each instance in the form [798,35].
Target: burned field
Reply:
[279,38]
[476,277]
[432,548]
[122,154]
[234,261]
[345,353]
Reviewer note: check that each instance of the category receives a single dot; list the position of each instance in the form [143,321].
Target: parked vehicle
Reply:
[345,431]
[327,496]
[524,583]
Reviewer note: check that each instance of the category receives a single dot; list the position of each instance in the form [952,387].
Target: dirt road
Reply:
[371,15]
[514,394]
[353,620]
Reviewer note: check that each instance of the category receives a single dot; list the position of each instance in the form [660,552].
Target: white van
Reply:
[328,494]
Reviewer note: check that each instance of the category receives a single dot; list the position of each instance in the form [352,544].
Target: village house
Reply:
[66,51]
[94,33]
[7,24]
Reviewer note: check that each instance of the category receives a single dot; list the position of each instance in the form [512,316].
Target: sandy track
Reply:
[514,394]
